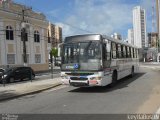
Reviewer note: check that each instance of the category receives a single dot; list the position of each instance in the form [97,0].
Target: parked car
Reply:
[2,70]
[17,73]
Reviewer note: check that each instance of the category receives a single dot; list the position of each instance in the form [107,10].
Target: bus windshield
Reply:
[87,55]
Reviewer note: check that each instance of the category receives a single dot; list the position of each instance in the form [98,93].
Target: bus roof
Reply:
[85,37]
[80,38]
[118,41]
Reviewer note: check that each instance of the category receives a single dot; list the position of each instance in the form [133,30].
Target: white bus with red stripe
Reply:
[96,60]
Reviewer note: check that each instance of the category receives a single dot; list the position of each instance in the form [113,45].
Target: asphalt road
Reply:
[140,94]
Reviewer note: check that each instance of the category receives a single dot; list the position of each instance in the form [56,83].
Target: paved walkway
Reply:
[151,65]
[15,90]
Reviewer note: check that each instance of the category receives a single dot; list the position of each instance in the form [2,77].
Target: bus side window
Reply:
[135,55]
[119,51]
[133,52]
[128,50]
[104,52]
[114,52]
[108,50]
[124,51]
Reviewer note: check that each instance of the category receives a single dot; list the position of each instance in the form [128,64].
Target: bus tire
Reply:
[114,78]
[132,72]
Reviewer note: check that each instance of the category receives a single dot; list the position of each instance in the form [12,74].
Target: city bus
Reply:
[96,60]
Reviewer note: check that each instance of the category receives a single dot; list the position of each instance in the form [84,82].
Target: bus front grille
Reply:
[78,78]
[79,74]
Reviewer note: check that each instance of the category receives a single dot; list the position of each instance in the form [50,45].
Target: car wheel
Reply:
[32,77]
[11,79]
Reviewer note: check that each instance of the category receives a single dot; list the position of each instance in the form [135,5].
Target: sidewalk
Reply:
[11,91]
[151,65]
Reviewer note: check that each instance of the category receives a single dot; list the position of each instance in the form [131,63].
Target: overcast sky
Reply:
[91,16]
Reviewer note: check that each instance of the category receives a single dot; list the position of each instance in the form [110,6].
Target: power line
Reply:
[68,24]
[65,23]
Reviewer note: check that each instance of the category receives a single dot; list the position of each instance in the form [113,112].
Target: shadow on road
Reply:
[120,84]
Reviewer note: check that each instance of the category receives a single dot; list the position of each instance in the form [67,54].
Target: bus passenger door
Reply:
[106,54]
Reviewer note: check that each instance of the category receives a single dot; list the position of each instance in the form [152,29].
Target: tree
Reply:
[54,52]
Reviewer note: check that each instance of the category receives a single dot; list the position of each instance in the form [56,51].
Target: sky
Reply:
[91,16]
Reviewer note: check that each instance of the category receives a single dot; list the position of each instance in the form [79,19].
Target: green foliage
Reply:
[54,52]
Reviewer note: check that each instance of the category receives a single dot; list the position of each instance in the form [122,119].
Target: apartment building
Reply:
[153,40]
[130,36]
[55,34]
[139,27]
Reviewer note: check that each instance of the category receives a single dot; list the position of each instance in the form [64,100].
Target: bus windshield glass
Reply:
[86,55]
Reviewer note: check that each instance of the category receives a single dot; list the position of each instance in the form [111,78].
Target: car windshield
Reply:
[86,54]
[8,70]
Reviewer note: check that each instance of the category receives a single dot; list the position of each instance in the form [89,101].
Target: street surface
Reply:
[140,94]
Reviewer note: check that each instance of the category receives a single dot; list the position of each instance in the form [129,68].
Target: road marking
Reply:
[158,111]
[157,115]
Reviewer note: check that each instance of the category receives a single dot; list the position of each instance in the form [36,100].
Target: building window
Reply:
[11,58]
[114,52]
[124,52]
[36,36]
[37,58]
[9,33]
[119,52]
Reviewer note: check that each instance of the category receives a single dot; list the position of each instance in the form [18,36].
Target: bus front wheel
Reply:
[132,72]
[114,78]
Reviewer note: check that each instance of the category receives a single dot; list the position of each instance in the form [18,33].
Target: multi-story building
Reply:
[131,36]
[152,40]
[55,34]
[139,27]
[11,44]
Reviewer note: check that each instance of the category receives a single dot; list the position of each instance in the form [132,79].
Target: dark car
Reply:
[2,70]
[17,73]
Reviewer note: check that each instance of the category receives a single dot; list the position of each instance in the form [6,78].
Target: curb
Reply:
[29,93]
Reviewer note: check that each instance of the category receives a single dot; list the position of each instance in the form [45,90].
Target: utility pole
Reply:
[23,36]
[24,40]
[51,60]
